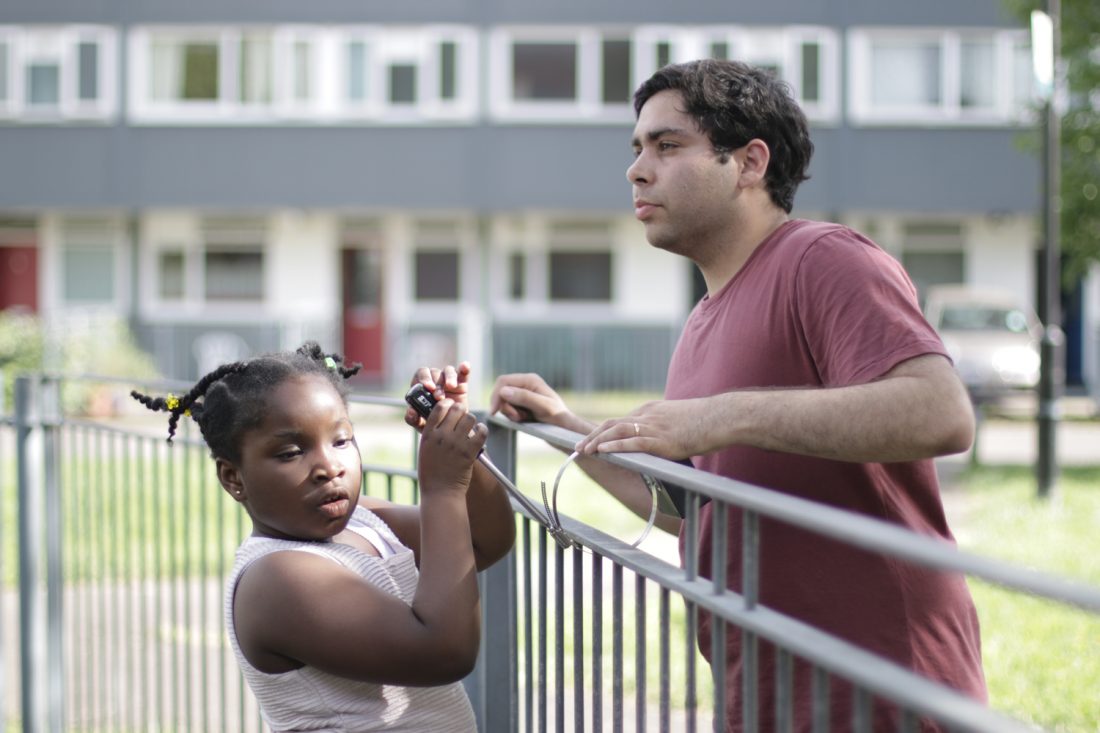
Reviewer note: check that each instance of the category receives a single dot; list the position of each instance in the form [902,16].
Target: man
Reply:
[807,368]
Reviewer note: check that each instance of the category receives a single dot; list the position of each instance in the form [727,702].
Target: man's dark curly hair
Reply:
[732,103]
[233,398]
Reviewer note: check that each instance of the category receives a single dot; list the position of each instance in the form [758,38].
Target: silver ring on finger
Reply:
[637,430]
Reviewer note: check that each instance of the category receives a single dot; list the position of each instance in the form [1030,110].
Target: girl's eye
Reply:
[343,442]
[288,455]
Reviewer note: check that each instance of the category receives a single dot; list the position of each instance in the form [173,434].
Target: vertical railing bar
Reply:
[27,504]
[578,640]
[84,650]
[784,671]
[186,572]
[750,585]
[55,580]
[145,522]
[162,471]
[203,501]
[559,638]
[665,622]
[820,700]
[691,701]
[640,651]
[223,570]
[525,527]
[128,502]
[719,528]
[597,642]
[544,564]
[102,570]
[617,648]
[861,713]
[528,630]
[114,576]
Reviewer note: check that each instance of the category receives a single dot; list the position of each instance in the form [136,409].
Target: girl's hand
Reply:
[449,446]
[447,383]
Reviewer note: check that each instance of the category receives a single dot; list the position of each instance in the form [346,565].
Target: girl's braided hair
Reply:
[233,398]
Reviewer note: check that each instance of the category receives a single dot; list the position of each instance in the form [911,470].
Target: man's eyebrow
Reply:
[658,133]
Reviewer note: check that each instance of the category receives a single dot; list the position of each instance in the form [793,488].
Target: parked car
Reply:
[991,335]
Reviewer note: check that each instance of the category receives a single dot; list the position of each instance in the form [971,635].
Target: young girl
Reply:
[348,613]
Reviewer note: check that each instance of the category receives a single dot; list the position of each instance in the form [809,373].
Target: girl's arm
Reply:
[492,522]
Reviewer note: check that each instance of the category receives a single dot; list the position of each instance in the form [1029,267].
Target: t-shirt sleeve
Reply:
[858,310]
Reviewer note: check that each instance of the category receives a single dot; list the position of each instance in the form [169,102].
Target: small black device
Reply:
[421,400]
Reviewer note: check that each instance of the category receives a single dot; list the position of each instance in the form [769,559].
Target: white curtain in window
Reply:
[978,79]
[256,63]
[905,73]
[165,70]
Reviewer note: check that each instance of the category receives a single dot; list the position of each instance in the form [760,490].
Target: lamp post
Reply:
[1044,48]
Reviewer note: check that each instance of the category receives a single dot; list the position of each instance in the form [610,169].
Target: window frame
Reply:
[588,105]
[1006,109]
[59,44]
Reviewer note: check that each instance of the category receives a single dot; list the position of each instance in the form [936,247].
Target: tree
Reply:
[1080,183]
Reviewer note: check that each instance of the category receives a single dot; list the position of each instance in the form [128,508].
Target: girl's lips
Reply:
[336,509]
[642,210]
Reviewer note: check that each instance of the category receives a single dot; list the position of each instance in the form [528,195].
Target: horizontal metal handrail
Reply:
[864,532]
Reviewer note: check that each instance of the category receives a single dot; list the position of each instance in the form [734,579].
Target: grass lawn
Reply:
[1042,660]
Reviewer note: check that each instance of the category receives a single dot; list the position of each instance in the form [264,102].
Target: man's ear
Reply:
[755,157]
[230,479]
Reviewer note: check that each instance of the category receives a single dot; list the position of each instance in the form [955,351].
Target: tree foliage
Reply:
[1080,130]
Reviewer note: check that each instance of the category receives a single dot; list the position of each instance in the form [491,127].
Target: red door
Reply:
[19,278]
[363,316]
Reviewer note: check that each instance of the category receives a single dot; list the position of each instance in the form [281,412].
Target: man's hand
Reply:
[527,397]
[672,429]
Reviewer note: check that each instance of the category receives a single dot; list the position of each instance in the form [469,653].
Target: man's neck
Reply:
[739,248]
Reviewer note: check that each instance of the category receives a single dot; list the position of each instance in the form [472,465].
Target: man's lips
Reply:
[643,209]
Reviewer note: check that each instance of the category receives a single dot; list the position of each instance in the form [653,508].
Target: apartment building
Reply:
[419,183]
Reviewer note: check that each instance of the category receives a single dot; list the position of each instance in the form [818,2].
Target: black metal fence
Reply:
[115,548]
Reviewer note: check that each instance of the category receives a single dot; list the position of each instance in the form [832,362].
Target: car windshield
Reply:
[983,318]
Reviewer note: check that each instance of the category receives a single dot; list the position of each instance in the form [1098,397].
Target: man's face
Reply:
[683,193]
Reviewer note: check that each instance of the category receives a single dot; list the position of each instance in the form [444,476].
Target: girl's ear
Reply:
[230,479]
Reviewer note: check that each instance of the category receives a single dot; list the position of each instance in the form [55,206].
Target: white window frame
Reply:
[1004,111]
[61,45]
[587,107]
[420,47]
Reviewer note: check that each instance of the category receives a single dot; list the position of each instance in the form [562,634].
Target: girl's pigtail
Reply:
[187,405]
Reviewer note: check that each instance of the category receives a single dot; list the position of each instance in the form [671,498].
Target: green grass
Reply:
[1042,659]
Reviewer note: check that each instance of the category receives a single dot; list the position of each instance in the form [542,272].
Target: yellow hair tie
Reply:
[187,412]
[172,402]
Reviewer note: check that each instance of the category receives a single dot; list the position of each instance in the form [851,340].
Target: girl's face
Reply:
[299,471]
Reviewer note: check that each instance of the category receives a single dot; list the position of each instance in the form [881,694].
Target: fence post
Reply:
[29,503]
[494,686]
[51,452]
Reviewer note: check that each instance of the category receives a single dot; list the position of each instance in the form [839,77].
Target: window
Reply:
[233,260]
[61,72]
[544,71]
[88,264]
[517,277]
[580,276]
[171,275]
[436,275]
[409,74]
[196,73]
[561,74]
[932,75]
[579,261]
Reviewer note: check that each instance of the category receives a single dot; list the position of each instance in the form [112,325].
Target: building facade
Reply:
[445,180]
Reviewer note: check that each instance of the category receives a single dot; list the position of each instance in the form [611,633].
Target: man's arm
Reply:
[919,409]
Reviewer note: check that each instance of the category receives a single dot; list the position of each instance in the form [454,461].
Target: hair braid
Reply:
[188,404]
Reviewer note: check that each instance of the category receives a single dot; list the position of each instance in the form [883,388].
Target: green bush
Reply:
[104,347]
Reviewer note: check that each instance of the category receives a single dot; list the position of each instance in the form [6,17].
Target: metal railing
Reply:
[124,544]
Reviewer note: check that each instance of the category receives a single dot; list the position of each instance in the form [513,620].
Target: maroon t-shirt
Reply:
[818,305]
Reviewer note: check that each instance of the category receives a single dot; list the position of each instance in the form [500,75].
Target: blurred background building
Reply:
[423,182]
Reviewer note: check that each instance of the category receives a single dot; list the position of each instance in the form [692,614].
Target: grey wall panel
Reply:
[487,12]
[482,168]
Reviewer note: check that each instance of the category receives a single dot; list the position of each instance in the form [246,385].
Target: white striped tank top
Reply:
[307,699]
